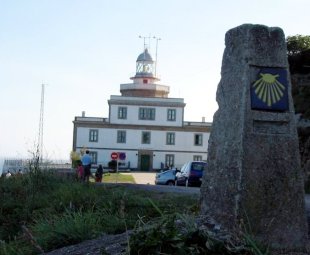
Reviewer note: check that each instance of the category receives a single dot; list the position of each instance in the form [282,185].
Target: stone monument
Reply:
[254,183]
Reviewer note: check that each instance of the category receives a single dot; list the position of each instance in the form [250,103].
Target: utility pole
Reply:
[40,135]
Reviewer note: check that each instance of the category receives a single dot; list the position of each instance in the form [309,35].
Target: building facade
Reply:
[145,127]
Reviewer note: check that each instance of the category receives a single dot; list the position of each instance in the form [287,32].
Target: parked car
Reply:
[191,174]
[166,177]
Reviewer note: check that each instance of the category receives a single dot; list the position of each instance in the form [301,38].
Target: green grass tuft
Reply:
[118,178]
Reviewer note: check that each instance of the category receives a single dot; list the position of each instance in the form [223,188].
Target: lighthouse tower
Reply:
[144,82]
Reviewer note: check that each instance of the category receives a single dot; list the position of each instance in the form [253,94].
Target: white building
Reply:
[14,164]
[144,126]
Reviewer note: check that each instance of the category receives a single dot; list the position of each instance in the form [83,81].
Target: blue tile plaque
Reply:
[270,90]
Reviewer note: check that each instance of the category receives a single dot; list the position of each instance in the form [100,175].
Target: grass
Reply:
[180,234]
[118,177]
[115,178]
[56,211]
[41,212]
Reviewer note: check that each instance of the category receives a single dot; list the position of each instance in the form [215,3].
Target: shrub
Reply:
[179,234]
[112,165]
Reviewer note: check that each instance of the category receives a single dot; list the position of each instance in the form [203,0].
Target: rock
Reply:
[106,244]
[254,182]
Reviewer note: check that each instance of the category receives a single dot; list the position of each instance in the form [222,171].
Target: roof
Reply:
[145,56]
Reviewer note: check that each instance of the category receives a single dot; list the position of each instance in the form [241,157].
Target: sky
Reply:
[83,50]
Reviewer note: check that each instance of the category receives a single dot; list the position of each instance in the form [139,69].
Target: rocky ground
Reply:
[106,244]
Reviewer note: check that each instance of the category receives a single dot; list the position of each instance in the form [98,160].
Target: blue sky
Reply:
[83,51]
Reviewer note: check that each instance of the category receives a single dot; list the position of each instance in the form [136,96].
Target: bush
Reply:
[112,165]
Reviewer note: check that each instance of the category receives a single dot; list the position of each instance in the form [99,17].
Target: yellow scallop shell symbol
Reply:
[268,89]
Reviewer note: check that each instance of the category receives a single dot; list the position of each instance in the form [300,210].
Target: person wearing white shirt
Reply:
[8,174]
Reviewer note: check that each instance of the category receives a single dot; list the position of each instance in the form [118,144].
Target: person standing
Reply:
[86,162]
[99,174]
[8,174]
[80,171]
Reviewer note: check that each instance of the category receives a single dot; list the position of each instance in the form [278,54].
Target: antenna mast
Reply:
[40,136]
[144,43]
[157,39]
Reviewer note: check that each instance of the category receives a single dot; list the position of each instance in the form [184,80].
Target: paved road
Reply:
[146,181]
[142,177]
[149,179]
[163,188]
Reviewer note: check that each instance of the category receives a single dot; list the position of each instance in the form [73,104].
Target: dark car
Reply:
[191,174]
[166,177]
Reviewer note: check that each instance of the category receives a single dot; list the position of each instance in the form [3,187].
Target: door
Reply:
[145,162]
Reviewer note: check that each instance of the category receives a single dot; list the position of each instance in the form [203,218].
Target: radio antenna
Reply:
[41,122]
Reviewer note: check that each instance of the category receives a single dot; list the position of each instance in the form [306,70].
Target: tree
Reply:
[75,158]
[298,50]
[296,44]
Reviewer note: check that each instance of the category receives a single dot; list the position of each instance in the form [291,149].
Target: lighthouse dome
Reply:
[145,56]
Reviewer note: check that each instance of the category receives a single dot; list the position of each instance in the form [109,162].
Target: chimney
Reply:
[83,114]
[203,119]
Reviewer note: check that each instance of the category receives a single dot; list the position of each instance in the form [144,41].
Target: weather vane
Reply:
[144,43]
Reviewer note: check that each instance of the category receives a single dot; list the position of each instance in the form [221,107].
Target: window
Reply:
[171,115]
[169,160]
[144,81]
[146,137]
[147,113]
[197,158]
[199,166]
[93,135]
[198,139]
[121,136]
[93,155]
[170,138]
[122,112]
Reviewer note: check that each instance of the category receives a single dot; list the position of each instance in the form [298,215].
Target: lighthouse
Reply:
[144,125]
[145,83]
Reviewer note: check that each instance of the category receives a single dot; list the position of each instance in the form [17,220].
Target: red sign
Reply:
[114,155]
